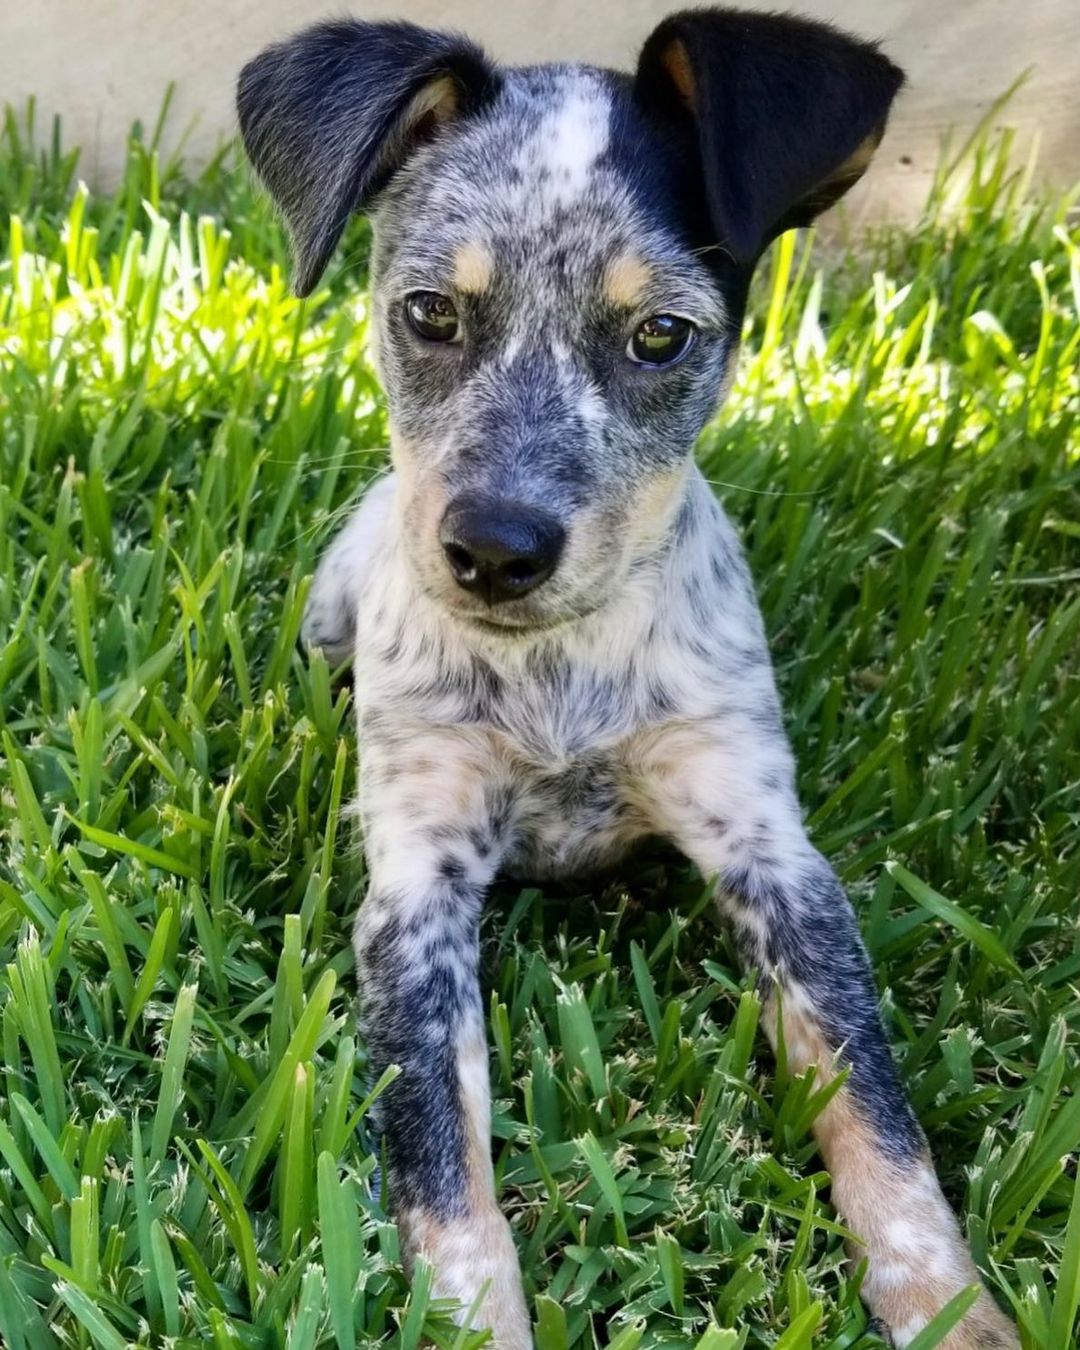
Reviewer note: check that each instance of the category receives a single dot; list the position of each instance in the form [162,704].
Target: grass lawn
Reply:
[185,1156]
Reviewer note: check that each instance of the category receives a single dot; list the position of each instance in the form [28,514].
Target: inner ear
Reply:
[843,177]
[675,60]
[432,108]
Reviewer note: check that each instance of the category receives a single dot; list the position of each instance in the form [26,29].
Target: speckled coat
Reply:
[554,210]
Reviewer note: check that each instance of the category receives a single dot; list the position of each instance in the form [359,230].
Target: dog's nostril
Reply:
[520,572]
[461,561]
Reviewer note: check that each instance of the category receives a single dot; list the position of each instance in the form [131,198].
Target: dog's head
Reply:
[561,261]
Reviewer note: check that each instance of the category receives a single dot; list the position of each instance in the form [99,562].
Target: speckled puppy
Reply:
[557,646]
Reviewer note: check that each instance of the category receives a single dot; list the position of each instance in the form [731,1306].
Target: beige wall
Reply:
[102,63]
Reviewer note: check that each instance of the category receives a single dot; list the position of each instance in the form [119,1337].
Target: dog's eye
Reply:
[661,340]
[432,316]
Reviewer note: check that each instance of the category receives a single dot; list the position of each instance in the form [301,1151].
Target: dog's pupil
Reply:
[432,315]
[661,339]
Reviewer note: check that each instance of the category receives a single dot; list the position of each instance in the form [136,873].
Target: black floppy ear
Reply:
[327,116]
[789,113]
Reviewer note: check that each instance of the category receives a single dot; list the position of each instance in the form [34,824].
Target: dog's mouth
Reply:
[524,618]
[510,627]
[518,620]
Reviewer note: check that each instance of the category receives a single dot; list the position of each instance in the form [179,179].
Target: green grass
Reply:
[184,1156]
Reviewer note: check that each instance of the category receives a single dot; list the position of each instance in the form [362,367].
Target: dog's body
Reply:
[557,646]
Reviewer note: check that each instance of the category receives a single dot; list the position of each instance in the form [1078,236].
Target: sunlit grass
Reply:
[184,1156]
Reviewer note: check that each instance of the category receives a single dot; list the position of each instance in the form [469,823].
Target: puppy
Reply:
[557,646]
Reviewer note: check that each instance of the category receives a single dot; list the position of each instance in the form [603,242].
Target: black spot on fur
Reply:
[418,984]
[813,939]
[451,868]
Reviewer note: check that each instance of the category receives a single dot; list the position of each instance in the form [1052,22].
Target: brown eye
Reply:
[661,340]
[432,316]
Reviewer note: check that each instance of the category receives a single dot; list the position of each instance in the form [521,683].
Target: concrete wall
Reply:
[102,63]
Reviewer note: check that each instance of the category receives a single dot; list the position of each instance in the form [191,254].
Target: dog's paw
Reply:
[330,615]
[329,625]
[470,1255]
[329,621]
[919,1262]
[904,1312]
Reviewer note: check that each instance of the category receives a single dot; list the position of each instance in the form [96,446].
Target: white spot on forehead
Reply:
[590,406]
[511,349]
[570,139]
[581,394]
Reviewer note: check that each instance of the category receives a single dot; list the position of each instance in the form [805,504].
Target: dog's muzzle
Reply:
[499,550]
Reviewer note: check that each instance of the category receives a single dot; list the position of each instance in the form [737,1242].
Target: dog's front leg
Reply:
[723,792]
[435,819]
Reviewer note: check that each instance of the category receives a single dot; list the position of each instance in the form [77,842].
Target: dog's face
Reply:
[550,343]
[561,262]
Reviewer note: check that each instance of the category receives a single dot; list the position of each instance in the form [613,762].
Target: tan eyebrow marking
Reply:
[473,266]
[626,279]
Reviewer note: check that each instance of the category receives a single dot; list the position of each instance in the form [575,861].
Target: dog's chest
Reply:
[572,818]
[559,735]
[568,731]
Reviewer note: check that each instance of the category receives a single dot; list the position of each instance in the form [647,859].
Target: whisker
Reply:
[356,458]
[325,523]
[311,354]
[764,492]
[713,248]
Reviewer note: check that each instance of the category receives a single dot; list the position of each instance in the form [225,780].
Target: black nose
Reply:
[499,550]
